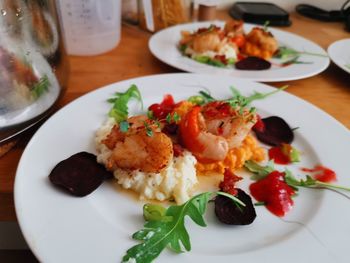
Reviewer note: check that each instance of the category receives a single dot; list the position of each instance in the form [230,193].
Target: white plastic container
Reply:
[90,27]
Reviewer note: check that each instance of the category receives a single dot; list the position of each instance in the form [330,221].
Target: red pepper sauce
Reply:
[274,192]
[322,173]
[278,155]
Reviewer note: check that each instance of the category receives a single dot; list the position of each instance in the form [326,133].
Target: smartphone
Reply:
[260,13]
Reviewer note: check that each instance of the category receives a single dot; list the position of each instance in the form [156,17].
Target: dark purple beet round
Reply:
[276,131]
[253,63]
[79,174]
[229,213]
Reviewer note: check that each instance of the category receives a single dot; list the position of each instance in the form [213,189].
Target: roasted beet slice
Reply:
[79,174]
[229,213]
[276,131]
[253,63]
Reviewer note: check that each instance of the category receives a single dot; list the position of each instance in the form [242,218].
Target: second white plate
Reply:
[163,45]
[339,53]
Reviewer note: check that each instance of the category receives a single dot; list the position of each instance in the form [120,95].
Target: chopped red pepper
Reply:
[161,110]
[228,184]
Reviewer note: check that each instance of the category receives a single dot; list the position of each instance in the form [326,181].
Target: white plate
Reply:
[163,45]
[97,228]
[339,52]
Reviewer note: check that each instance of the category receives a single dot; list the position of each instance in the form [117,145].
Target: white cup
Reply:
[90,27]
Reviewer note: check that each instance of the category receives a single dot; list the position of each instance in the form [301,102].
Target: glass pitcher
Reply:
[33,63]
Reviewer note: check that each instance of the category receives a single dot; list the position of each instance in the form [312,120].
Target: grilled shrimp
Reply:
[136,149]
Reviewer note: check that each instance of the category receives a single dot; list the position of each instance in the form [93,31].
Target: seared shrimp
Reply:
[209,132]
[260,43]
[137,150]
[207,41]
[221,119]
[207,147]
[234,27]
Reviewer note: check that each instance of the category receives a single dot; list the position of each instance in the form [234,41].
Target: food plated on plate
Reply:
[230,45]
[238,49]
[152,153]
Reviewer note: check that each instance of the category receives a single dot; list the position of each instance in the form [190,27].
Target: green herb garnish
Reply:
[148,128]
[120,102]
[286,52]
[203,98]
[175,117]
[124,126]
[259,171]
[347,66]
[241,102]
[266,26]
[209,61]
[310,182]
[39,88]
[166,228]
[182,48]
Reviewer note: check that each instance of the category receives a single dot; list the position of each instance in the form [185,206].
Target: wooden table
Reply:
[329,90]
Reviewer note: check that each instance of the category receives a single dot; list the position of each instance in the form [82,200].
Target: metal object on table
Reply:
[33,64]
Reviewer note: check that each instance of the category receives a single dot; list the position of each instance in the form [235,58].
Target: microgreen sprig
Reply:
[287,52]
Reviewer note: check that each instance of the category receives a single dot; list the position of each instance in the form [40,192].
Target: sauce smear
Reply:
[274,192]
[322,173]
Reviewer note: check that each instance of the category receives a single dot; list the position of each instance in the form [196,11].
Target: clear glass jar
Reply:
[33,63]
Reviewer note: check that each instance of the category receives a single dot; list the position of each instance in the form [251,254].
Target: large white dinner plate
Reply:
[339,52]
[97,228]
[163,45]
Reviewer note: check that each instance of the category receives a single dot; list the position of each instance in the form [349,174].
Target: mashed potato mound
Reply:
[177,181]
[236,157]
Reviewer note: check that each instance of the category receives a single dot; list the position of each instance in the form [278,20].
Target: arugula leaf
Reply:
[347,66]
[259,171]
[120,109]
[39,88]
[158,233]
